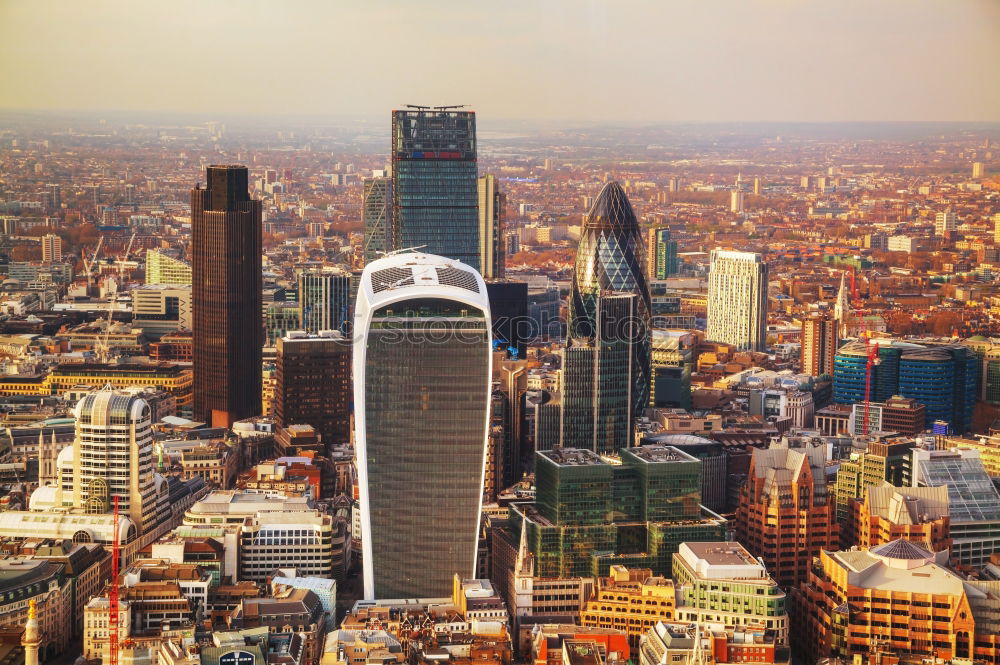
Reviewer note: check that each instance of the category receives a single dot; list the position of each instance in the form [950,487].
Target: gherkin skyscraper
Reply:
[608,263]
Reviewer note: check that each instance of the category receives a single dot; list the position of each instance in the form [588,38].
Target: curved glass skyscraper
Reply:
[422,367]
[608,263]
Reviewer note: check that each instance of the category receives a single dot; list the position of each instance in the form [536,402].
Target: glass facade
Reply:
[435,194]
[426,394]
[662,254]
[608,260]
[226,298]
[377,213]
[943,378]
[325,301]
[590,514]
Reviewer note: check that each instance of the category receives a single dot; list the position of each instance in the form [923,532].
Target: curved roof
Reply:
[670,439]
[612,210]
[410,275]
[902,549]
[857,347]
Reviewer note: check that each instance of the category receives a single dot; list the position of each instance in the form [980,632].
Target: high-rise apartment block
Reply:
[227,281]
[737,300]
[51,248]
[434,183]
[422,391]
[590,514]
[313,384]
[164,269]
[325,299]
[492,256]
[896,600]
[661,254]
[376,210]
[978,170]
[786,513]
[819,344]
[945,222]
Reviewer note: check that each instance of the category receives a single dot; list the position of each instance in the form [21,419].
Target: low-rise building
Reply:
[721,583]
[630,600]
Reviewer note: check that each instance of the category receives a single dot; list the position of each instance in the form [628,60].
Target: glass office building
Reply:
[608,259]
[944,378]
[324,300]
[590,514]
[435,194]
[422,367]
[376,212]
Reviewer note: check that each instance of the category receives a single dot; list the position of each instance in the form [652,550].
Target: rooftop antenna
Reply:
[415,106]
[452,106]
[402,250]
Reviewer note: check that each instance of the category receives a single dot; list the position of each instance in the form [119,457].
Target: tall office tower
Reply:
[756,186]
[376,210]
[737,300]
[163,269]
[819,344]
[996,228]
[422,390]
[226,297]
[978,170]
[112,455]
[736,201]
[599,378]
[51,248]
[945,222]
[661,254]
[609,259]
[324,299]
[785,515]
[492,201]
[434,190]
[313,384]
[974,501]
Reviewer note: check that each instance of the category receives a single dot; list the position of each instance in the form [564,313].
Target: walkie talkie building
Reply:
[422,367]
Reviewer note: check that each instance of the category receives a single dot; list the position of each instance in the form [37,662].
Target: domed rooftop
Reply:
[612,209]
[902,549]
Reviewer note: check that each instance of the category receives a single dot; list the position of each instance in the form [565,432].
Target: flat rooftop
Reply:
[660,454]
[572,457]
[723,554]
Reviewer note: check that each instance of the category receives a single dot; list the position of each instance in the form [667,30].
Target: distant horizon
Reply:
[625,62]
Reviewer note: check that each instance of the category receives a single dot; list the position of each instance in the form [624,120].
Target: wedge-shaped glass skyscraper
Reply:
[608,261]
[422,368]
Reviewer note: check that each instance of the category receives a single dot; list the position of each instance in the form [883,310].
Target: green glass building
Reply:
[591,512]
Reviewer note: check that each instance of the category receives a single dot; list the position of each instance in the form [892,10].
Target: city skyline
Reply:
[773,61]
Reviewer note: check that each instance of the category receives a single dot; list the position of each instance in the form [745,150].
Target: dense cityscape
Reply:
[436,387]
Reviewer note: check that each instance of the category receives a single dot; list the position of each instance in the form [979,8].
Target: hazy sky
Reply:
[588,60]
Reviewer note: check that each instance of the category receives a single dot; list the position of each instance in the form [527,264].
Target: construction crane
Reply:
[113,593]
[128,250]
[88,265]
